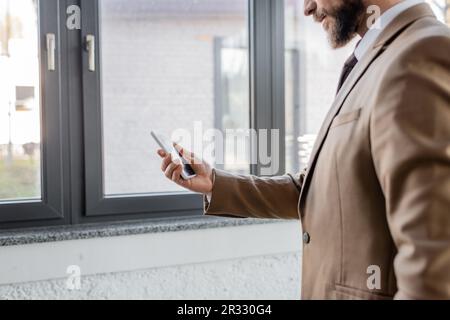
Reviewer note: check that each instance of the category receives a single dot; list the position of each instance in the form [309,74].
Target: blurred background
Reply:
[165,64]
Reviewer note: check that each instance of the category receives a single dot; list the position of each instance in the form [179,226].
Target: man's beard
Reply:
[344,22]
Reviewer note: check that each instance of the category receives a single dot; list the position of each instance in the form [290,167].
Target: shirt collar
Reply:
[380,24]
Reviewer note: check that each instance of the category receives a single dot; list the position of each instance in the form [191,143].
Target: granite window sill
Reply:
[103,230]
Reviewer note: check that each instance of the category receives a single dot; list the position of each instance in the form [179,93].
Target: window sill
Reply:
[115,229]
[45,254]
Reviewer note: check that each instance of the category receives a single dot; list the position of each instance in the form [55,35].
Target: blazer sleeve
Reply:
[254,197]
[410,141]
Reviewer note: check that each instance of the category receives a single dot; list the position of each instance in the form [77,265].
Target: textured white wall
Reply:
[264,277]
[256,261]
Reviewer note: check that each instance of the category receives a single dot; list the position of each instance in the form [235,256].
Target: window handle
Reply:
[90,48]
[51,48]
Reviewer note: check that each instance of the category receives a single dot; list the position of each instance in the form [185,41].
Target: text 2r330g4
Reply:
[236,309]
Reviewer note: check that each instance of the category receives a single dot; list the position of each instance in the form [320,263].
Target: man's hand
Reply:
[201,183]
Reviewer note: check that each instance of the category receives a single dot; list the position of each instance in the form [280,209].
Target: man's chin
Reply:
[336,45]
[338,42]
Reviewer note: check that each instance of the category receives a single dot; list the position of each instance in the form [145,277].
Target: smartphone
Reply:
[188,172]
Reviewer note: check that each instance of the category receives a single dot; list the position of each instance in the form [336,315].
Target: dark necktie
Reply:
[348,67]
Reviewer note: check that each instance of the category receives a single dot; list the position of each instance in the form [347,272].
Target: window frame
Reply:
[267,73]
[265,92]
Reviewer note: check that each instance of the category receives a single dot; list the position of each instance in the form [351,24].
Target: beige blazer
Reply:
[374,202]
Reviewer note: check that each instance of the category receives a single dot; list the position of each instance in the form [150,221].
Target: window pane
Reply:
[20,168]
[169,65]
[312,74]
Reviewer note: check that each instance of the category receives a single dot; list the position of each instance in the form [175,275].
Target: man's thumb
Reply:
[189,156]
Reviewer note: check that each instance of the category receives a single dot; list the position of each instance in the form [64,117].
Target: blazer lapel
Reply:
[395,28]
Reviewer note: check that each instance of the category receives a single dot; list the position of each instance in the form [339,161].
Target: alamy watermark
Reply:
[238,147]
[73,281]
[374,17]
[73,21]
[374,279]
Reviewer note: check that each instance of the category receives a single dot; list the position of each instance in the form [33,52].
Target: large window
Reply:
[84,81]
[79,95]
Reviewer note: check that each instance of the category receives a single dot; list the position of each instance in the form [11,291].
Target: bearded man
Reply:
[374,201]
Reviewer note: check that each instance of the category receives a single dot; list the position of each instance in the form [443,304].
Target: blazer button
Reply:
[306,238]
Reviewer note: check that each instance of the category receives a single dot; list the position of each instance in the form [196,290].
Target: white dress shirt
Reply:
[380,24]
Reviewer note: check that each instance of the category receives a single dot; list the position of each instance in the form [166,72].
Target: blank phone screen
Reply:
[187,168]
